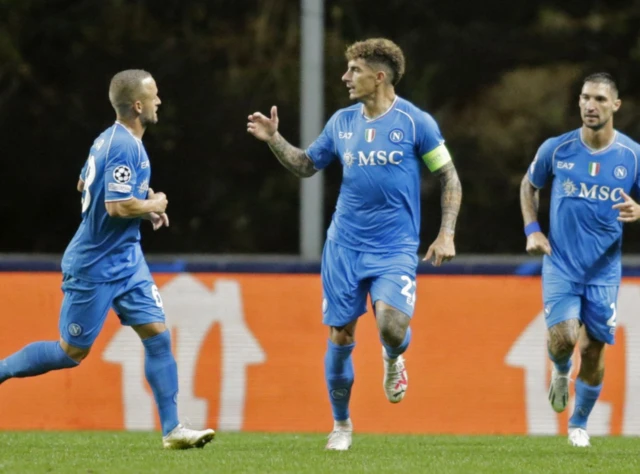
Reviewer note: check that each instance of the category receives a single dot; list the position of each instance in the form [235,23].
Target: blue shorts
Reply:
[85,305]
[594,305]
[348,276]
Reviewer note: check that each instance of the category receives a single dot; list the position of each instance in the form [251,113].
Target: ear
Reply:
[381,77]
[137,106]
[616,104]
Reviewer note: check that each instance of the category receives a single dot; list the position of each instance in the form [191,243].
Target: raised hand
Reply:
[262,127]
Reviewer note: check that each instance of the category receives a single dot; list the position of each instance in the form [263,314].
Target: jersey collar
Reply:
[367,119]
[593,151]
[128,131]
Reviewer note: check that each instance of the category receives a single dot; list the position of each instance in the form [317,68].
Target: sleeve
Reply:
[635,190]
[121,171]
[429,143]
[541,167]
[83,171]
[323,150]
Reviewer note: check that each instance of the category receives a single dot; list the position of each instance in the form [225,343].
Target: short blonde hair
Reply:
[382,51]
[126,88]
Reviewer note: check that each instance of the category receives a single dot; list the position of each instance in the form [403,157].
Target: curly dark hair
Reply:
[382,51]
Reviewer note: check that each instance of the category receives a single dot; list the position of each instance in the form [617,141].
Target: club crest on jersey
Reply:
[620,172]
[594,168]
[396,135]
[369,134]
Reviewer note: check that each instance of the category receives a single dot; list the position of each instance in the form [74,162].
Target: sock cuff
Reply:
[344,349]
[64,357]
[159,343]
[593,390]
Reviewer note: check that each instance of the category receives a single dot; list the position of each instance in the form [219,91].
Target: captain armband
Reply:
[437,158]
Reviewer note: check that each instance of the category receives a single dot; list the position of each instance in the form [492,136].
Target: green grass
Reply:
[122,452]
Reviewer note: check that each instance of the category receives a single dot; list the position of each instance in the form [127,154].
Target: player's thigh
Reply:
[393,280]
[599,312]
[139,301]
[84,308]
[562,300]
[344,292]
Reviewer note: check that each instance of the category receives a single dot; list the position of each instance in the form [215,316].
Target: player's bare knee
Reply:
[342,335]
[563,338]
[146,331]
[76,353]
[392,329]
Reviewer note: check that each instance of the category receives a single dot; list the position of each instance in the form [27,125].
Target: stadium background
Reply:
[499,78]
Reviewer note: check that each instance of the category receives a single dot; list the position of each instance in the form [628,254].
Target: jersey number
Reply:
[90,176]
[156,296]
[409,290]
[611,322]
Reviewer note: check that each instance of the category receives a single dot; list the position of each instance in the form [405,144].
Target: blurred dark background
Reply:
[499,77]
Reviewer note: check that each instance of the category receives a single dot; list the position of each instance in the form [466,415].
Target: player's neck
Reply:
[378,103]
[598,139]
[133,125]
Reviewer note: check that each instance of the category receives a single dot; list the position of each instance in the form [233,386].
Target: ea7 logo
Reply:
[563,165]
[345,135]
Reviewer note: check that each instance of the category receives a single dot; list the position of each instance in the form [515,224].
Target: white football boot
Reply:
[185,438]
[559,390]
[339,440]
[578,437]
[396,380]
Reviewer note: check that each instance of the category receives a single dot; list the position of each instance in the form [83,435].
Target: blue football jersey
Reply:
[106,248]
[378,208]
[584,233]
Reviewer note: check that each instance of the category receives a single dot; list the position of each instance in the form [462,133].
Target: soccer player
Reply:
[593,170]
[103,265]
[372,243]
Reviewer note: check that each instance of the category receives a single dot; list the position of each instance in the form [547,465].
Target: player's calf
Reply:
[35,359]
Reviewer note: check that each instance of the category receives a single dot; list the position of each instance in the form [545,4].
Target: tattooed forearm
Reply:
[291,157]
[529,201]
[451,197]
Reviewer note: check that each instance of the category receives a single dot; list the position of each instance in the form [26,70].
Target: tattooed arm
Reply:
[529,201]
[443,248]
[293,158]
[537,243]
[451,197]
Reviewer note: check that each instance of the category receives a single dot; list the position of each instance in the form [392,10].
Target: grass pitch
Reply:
[123,452]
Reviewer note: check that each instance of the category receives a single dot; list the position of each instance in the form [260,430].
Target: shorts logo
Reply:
[122,174]
[620,172]
[396,135]
[339,393]
[325,305]
[74,329]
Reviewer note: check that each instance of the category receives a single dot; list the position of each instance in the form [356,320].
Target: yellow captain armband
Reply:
[437,158]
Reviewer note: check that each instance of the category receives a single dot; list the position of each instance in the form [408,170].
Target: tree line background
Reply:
[499,77]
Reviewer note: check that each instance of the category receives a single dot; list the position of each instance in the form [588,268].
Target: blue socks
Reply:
[35,359]
[395,352]
[586,396]
[162,374]
[338,371]
[562,365]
